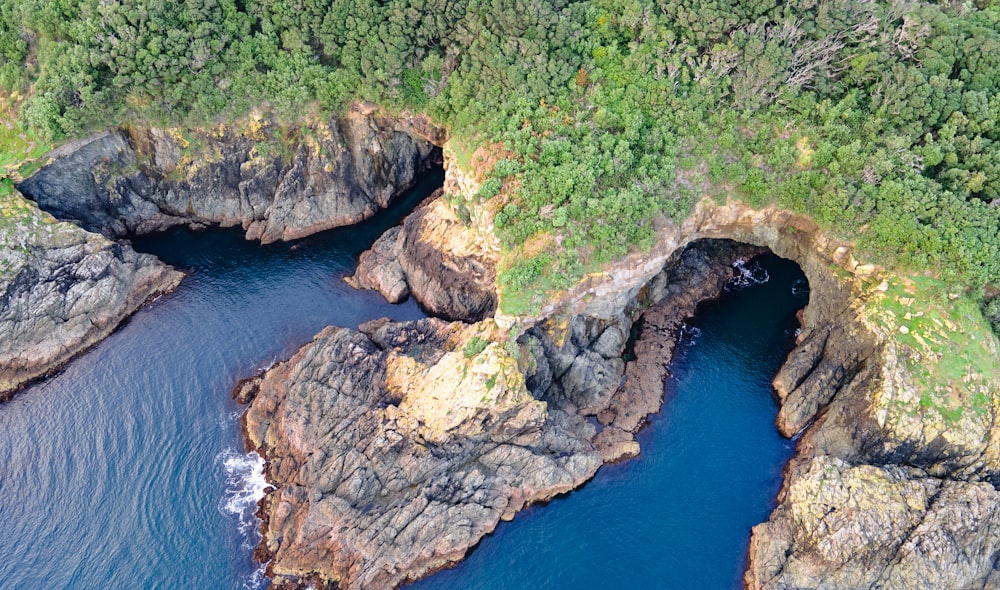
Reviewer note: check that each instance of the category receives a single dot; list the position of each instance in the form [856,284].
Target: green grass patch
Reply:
[474,346]
[944,340]
[20,149]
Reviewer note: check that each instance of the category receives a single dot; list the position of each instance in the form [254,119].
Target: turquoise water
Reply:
[127,469]
[679,516]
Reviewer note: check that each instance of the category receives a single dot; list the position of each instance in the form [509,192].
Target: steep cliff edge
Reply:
[395,450]
[62,289]
[892,377]
[277,182]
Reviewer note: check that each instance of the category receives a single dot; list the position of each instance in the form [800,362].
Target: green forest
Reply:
[879,119]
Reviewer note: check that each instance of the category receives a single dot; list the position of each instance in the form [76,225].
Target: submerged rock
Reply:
[63,289]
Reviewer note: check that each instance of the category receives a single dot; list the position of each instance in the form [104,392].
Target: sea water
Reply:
[127,469]
[678,516]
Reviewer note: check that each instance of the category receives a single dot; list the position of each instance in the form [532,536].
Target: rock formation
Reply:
[278,183]
[438,259]
[63,289]
[894,486]
[395,450]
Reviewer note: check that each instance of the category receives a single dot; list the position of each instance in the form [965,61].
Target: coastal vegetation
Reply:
[881,120]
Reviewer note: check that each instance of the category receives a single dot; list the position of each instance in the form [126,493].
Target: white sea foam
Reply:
[257,579]
[800,287]
[245,484]
[747,275]
[689,334]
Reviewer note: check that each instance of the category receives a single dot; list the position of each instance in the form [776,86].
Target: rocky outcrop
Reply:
[842,526]
[63,289]
[894,484]
[579,366]
[277,182]
[885,465]
[437,258]
[394,451]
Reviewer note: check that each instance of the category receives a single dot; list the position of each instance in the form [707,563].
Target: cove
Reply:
[127,470]
[678,516]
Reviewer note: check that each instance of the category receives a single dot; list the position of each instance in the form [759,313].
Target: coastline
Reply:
[847,390]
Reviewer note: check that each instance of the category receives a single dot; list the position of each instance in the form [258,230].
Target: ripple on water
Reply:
[124,470]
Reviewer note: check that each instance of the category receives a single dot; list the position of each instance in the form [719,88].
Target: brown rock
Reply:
[438,259]
[388,466]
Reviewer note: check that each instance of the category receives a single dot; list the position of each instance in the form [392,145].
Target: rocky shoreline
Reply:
[368,442]
[62,290]
[393,449]
[836,390]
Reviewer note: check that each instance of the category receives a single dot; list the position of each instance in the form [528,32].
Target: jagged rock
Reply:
[278,184]
[438,260]
[844,527]
[62,290]
[394,453]
[616,444]
[697,273]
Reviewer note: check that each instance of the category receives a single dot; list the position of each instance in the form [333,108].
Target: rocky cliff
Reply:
[892,388]
[277,182]
[395,449]
[62,289]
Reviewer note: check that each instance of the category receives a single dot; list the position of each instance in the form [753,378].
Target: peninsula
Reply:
[605,164]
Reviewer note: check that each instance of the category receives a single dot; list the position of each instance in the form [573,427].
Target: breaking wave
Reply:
[747,275]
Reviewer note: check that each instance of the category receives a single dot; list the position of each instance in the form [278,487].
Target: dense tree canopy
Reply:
[880,119]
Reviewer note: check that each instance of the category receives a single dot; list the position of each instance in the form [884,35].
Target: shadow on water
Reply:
[218,248]
[127,469]
[679,516]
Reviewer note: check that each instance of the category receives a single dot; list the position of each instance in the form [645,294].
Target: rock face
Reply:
[438,259]
[388,465]
[842,526]
[579,366]
[394,450]
[63,289]
[278,183]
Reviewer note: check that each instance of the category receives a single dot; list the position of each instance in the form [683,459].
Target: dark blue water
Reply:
[679,516]
[127,469]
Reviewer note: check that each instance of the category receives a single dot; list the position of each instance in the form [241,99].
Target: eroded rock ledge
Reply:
[277,182]
[63,289]
[395,450]
[879,478]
